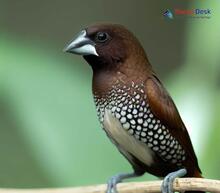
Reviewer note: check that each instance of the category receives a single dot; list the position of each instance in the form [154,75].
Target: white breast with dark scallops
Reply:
[129,106]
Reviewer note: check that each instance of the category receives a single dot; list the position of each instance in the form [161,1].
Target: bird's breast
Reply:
[126,117]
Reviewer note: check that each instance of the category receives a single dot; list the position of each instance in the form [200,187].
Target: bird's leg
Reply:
[114,180]
[167,185]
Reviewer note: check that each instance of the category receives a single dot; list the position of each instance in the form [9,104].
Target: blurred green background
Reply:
[49,133]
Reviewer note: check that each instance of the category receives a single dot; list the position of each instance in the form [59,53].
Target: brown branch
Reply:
[180,184]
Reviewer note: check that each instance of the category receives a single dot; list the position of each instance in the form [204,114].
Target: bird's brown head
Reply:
[109,47]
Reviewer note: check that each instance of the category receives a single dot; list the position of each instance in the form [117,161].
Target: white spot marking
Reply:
[129,116]
[123,120]
[150,133]
[126,125]
[118,115]
[140,121]
[124,108]
[155,142]
[155,148]
[151,115]
[123,113]
[143,134]
[149,120]
[134,111]
[132,122]
[163,142]
[145,124]
[113,109]
[151,126]
[137,96]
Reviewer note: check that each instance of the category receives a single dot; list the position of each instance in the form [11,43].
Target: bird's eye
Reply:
[102,37]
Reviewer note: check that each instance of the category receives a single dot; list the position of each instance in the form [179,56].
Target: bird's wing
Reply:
[163,107]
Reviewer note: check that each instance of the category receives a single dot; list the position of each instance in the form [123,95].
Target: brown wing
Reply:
[163,108]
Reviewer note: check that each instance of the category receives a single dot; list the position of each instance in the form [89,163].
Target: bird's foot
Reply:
[167,185]
[114,180]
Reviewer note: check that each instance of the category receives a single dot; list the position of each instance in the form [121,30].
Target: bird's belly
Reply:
[126,142]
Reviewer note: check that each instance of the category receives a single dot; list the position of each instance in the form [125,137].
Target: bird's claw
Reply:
[167,185]
[112,183]
[114,180]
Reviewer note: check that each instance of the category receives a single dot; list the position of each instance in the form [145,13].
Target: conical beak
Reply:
[81,45]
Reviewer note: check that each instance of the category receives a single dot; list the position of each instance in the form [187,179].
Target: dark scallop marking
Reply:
[136,117]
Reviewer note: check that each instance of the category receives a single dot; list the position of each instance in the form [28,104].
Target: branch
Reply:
[180,185]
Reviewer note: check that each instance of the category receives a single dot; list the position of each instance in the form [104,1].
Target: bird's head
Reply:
[107,46]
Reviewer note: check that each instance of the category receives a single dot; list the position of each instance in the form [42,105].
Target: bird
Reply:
[135,110]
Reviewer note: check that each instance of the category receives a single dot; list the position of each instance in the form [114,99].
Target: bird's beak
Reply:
[81,45]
